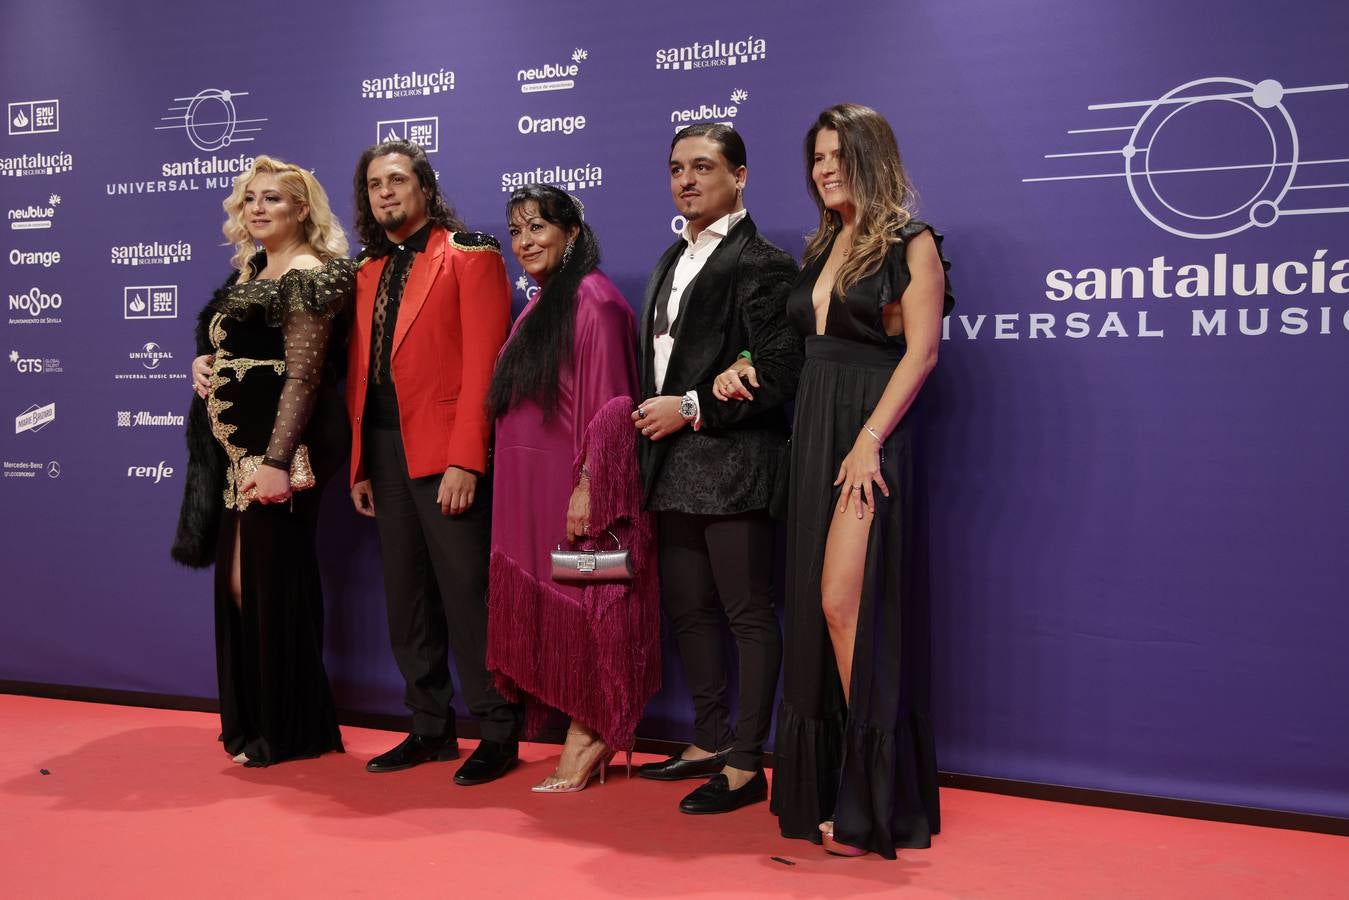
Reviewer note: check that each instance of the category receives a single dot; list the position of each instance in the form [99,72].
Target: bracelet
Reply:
[871,431]
[746,356]
[282,464]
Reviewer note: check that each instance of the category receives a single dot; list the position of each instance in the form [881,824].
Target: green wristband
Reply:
[746,356]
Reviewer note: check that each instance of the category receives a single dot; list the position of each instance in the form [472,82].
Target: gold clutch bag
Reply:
[301,472]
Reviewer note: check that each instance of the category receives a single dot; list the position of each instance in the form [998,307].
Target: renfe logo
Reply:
[155,473]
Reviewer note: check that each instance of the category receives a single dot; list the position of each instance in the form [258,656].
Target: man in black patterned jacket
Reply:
[711,470]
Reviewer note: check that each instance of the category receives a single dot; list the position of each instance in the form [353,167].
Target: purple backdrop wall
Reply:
[1139,524]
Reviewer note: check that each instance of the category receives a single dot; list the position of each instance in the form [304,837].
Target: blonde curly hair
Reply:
[322,231]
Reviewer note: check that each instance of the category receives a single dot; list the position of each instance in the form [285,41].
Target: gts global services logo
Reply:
[34,365]
[153,253]
[35,117]
[411,84]
[713,54]
[552,76]
[28,165]
[33,217]
[158,301]
[424,132]
[720,114]
[569,178]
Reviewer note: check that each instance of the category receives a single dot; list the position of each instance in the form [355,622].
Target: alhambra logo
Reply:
[146,419]
[713,54]
[212,120]
[28,165]
[410,84]
[722,114]
[552,76]
[569,178]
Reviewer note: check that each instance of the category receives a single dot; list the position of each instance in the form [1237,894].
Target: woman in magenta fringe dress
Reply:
[566,470]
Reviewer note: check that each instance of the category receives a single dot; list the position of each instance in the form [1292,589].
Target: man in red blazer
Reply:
[432,311]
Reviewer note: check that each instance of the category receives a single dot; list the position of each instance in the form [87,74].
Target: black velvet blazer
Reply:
[737,461]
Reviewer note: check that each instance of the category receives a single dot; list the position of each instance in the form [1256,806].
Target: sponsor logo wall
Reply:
[1134,421]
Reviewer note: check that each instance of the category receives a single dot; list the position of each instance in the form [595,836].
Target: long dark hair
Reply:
[542,346]
[880,186]
[368,229]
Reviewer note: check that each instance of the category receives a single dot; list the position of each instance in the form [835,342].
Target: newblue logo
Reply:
[30,164]
[424,132]
[710,112]
[34,218]
[35,117]
[412,84]
[559,76]
[711,54]
[569,178]
[152,253]
[150,302]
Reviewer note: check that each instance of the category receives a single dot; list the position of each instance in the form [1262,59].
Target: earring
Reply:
[566,251]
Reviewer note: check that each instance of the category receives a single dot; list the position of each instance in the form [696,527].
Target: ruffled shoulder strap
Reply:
[323,291]
[897,266]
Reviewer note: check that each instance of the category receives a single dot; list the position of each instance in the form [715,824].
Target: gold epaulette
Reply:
[474,241]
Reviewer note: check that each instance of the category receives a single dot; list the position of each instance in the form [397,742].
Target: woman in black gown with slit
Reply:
[267,431]
[855,767]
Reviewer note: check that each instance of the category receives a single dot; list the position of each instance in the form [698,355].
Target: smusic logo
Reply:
[424,132]
[413,84]
[713,54]
[150,302]
[35,117]
[569,178]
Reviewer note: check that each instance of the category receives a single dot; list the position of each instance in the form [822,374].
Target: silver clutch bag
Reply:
[593,565]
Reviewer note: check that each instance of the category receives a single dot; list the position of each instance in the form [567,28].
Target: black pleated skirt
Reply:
[869,765]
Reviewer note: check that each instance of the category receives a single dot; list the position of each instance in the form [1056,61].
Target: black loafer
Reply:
[676,769]
[415,750]
[717,797]
[489,762]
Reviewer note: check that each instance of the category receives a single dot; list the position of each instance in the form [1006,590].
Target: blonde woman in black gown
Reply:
[274,426]
[855,766]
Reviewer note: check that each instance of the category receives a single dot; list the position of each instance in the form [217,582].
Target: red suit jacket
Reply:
[452,322]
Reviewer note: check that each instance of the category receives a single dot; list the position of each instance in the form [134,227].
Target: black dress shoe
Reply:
[717,797]
[675,769]
[415,750]
[489,762]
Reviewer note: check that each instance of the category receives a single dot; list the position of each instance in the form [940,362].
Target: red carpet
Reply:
[143,803]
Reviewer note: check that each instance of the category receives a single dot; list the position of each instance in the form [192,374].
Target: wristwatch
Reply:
[687,407]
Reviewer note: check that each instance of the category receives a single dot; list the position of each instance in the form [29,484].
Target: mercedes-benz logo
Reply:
[53,469]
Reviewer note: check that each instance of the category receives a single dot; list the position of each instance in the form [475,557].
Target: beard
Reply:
[393,220]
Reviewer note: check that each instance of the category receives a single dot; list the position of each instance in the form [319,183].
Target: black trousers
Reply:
[710,565]
[435,585]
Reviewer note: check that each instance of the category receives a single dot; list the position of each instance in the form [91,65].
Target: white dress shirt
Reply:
[687,267]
